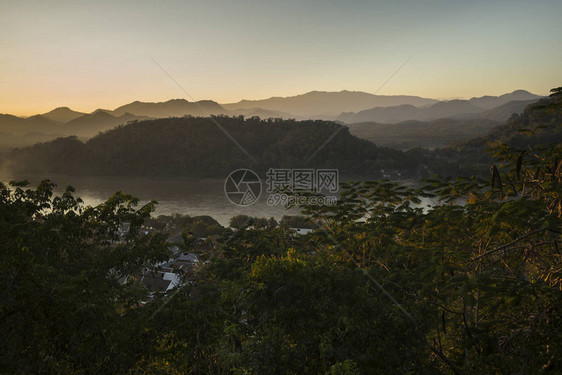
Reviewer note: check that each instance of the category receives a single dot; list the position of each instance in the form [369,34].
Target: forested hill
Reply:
[197,147]
[539,124]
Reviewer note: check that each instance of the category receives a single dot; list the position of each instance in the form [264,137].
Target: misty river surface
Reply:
[174,195]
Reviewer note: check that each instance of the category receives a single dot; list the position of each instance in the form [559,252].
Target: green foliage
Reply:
[200,226]
[296,221]
[245,221]
[481,272]
[470,285]
[537,127]
[63,302]
[196,147]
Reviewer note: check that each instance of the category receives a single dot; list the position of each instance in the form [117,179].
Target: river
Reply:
[174,195]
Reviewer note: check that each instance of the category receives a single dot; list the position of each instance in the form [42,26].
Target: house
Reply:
[302,231]
[160,281]
[185,263]
[182,262]
[166,276]
[188,258]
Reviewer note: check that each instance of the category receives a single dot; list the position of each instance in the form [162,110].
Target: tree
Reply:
[62,267]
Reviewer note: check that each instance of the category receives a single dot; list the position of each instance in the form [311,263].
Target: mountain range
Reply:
[196,147]
[498,108]
[339,106]
[328,105]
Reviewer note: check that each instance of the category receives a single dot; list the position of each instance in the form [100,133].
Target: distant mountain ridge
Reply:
[504,111]
[170,108]
[63,121]
[539,124]
[63,114]
[194,147]
[489,102]
[339,106]
[318,104]
[21,125]
[89,125]
[472,108]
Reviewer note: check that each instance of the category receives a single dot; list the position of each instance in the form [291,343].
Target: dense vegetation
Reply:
[62,307]
[200,226]
[537,127]
[196,147]
[472,285]
[385,286]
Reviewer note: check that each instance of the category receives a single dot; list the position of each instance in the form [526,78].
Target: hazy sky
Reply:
[91,54]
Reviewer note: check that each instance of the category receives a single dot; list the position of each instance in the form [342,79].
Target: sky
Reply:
[101,54]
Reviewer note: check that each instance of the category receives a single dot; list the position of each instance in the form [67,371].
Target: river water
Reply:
[184,196]
[174,195]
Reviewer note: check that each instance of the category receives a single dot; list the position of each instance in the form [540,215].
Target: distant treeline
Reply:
[198,147]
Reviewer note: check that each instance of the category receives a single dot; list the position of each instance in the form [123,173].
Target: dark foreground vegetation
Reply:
[383,287]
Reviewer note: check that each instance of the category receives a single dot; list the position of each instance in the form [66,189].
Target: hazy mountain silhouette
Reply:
[90,124]
[538,124]
[63,121]
[10,123]
[315,104]
[386,115]
[19,132]
[504,111]
[427,134]
[460,109]
[20,125]
[171,108]
[489,102]
[63,114]
[322,104]
[10,140]
[190,147]
[390,115]
[449,109]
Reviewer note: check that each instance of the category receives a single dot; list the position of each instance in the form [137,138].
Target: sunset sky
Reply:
[96,54]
